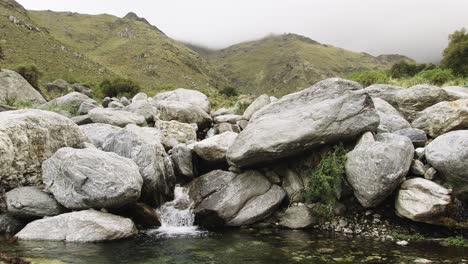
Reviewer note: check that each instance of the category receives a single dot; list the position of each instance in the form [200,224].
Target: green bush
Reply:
[367,78]
[404,69]
[326,181]
[455,56]
[31,73]
[118,87]
[229,91]
[436,76]
[457,241]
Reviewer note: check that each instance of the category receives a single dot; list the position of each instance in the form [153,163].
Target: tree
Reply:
[405,69]
[455,56]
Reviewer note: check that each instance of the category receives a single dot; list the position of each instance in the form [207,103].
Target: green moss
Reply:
[457,241]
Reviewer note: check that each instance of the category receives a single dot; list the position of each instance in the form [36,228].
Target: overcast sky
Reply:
[416,28]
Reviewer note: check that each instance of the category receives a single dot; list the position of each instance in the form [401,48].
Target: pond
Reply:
[245,245]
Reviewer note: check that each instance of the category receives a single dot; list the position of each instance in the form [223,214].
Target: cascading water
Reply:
[177,216]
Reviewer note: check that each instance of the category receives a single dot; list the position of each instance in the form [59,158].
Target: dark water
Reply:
[237,246]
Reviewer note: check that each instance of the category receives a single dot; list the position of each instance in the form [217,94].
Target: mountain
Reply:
[25,42]
[131,47]
[280,64]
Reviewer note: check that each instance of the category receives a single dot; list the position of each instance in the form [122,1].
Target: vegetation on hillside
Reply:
[456,54]
[31,73]
[117,88]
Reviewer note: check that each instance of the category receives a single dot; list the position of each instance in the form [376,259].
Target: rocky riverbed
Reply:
[364,161]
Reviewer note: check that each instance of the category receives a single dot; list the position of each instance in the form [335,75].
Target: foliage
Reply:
[2,55]
[407,237]
[404,69]
[367,78]
[229,91]
[455,56]
[118,87]
[457,241]
[31,73]
[326,180]
[436,76]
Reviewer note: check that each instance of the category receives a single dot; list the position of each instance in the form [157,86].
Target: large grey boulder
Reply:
[385,92]
[70,102]
[259,207]
[412,100]
[13,87]
[417,136]
[31,202]
[456,92]
[183,161]
[298,217]
[229,195]
[375,169]
[182,95]
[27,138]
[90,178]
[143,145]
[183,112]
[261,101]
[82,226]
[390,119]
[422,200]
[143,108]
[333,109]
[448,154]
[174,133]
[99,133]
[140,97]
[214,149]
[115,117]
[443,117]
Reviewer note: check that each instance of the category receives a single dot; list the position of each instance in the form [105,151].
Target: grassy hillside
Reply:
[24,42]
[285,63]
[131,47]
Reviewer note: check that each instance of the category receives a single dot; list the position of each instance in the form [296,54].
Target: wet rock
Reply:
[182,95]
[82,226]
[115,117]
[143,215]
[256,105]
[448,154]
[15,87]
[90,178]
[143,145]
[183,112]
[99,133]
[9,224]
[27,138]
[443,117]
[390,119]
[422,200]
[417,136]
[214,149]
[334,109]
[298,217]
[375,169]
[31,202]
[175,133]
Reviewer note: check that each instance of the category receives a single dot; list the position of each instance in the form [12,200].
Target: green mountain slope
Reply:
[131,47]
[282,64]
[24,42]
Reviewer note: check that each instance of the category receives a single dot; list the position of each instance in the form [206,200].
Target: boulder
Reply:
[143,145]
[390,119]
[443,117]
[83,226]
[417,136]
[140,97]
[261,101]
[85,107]
[227,194]
[222,111]
[27,138]
[116,105]
[232,119]
[82,88]
[456,92]
[214,149]
[448,154]
[115,117]
[99,133]
[183,112]
[375,169]
[182,159]
[182,95]
[298,217]
[31,202]
[226,127]
[334,110]
[144,108]
[81,120]
[259,207]
[292,184]
[143,215]
[124,101]
[58,86]
[9,224]
[90,178]
[422,200]
[412,100]
[385,92]
[174,133]
[70,102]
[13,87]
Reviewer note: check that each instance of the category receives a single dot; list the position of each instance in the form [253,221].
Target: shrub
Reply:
[367,78]
[326,181]
[455,56]
[31,73]
[229,91]
[404,69]
[436,76]
[119,87]
[457,241]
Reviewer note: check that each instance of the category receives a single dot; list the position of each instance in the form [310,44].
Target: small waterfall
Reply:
[177,216]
